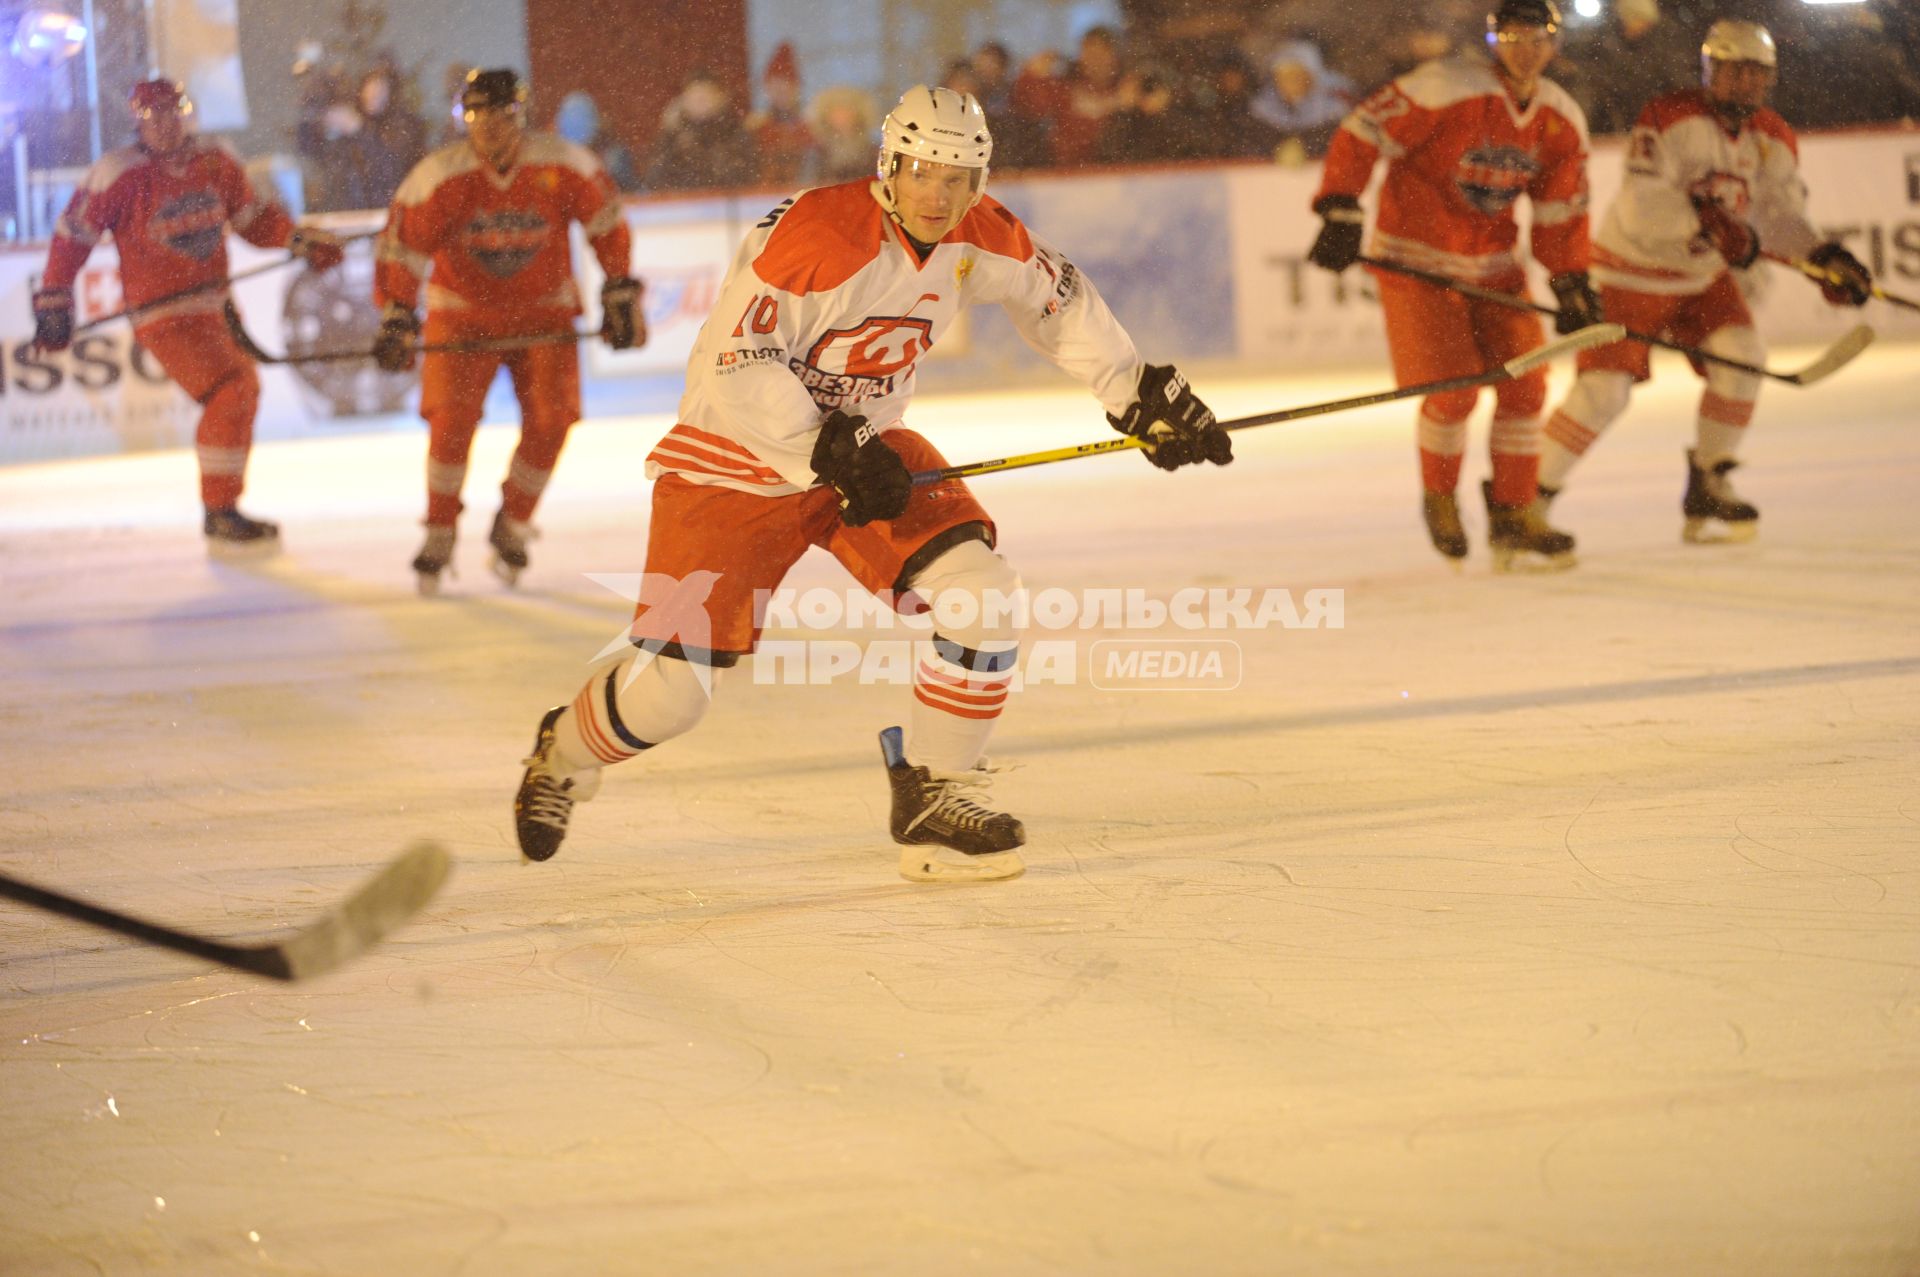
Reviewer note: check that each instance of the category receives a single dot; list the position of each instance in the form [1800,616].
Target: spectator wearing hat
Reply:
[780,131]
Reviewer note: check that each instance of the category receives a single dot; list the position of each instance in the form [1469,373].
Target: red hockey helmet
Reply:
[159,96]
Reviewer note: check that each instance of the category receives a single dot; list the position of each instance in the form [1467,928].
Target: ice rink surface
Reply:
[1522,924]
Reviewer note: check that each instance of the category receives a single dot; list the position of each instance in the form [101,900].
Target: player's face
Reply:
[494,132]
[162,129]
[1523,52]
[1740,84]
[932,198]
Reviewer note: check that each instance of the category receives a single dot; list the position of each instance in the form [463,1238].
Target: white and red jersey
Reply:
[496,244]
[1460,153]
[168,216]
[827,306]
[1681,152]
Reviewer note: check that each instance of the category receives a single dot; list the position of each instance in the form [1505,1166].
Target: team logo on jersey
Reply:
[193,225]
[1493,177]
[848,365]
[1729,190]
[962,270]
[504,240]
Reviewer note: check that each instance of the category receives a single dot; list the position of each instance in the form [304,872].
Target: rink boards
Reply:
[1201,263]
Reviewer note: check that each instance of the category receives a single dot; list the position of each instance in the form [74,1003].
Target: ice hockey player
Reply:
[1464,138]
[1712,177]
[168,201]
[790,435]
[489,214]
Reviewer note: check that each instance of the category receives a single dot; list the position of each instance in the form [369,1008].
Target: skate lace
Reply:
[951,800]
[550,803]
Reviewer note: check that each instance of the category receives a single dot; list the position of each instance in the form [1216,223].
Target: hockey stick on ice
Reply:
[1819,275]
[1598,335]
[1831,360]
[253,351]
[344,932]
[210,286]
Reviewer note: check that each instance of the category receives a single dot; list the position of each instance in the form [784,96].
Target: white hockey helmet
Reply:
[941,126]
[1730,40]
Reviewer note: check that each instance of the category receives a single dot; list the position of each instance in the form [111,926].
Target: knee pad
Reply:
[656,701]
[1740,343]
[1449,408]
[1521,396]
[1598,397]
[975,596]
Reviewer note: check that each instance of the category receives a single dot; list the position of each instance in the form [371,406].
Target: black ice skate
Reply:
[1521,538]
[230,532]
[509,540]
[1442,513]
[434,558]
[945,835]
[547,796]
[1714,511]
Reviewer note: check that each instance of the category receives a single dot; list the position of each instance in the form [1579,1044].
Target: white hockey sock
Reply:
[1595,402]
[961,676]
[1727,404]
[624,710]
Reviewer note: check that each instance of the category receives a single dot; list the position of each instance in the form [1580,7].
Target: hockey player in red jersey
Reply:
[790,435]
[1464,137]
[488,216]
[168,201]
[1712,177]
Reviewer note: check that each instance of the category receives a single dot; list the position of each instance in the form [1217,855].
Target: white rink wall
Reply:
[1202,264]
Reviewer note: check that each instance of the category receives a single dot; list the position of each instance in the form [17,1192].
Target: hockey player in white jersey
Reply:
[790,435]
[1712,177]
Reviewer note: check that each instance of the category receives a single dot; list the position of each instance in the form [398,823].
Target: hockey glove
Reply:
[1848,281]
[393,349]
[1579,304]
[320,249]
[873,482]
[52,319]
[1338,244]
[622,324]
[1736,241]
[1169,418]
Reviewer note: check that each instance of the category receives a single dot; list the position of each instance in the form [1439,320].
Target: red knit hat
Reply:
[782,65]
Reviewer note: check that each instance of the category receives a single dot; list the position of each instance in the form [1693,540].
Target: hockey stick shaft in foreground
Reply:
[210,286]
[356,924]
[1598,335]
[480,346]
[1831,360]
[1820,275]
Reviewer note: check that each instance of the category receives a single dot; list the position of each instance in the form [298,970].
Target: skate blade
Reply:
[428,584]
[1714,532]
[243,551]
[506,571]
[943,864]
[1527,563]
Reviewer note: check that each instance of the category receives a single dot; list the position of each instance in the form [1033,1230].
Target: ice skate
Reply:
[232,534]
[509,540]
[946,836]
[546,798]
[435,557]
[1522,540]
[1442,513]
[1714,512]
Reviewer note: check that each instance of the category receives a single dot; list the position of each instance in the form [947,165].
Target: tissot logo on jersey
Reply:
[192,225]
[1493,177]
[504,240]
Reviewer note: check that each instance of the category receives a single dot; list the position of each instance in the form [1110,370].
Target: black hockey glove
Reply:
[1338,244]
[52,318]
[873,482]
[399,334]
[1169,418]
[622,324]
[1579,304]
[1848,281]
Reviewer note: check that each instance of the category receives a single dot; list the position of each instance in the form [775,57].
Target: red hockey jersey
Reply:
[495,244]
[168,216]
[1460,152]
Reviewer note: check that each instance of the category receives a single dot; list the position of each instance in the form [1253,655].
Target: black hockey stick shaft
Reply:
[208,286]
[482,345]
[389,897]
[1513,302]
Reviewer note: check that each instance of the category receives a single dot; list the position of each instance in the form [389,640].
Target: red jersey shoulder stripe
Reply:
[990,225]
[825,239]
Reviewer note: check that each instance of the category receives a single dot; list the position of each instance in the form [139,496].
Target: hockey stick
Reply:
[1831,360]
[208,286]
[1820,275]
[253,351]
[1597,335]
[344,932]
